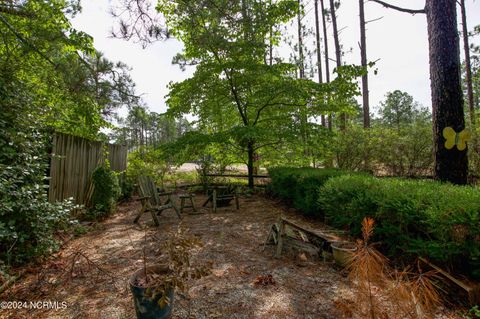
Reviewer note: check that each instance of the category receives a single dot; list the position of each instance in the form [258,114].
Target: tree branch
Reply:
[373,20]
[391,6]
[268,103]
[16,12]
[25,41]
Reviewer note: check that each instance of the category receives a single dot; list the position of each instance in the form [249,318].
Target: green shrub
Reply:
[403,151]
[147,161]
[300,186]
[106,191]
[28,221]
[127,186]
[413,218]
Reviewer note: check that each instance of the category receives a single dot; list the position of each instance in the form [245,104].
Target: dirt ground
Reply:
[91,272]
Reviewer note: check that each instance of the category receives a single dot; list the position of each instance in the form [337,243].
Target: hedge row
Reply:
[299,186]
[413,218]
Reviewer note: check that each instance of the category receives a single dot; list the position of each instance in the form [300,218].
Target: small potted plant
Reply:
[153,287]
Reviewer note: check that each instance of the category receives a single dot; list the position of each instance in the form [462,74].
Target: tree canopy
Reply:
[235,91]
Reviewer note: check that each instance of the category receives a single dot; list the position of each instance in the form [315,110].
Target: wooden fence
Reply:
[73,161]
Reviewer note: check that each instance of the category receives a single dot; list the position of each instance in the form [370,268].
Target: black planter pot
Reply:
[145,306]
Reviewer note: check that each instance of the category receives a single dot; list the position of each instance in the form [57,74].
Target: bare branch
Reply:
[373,20]
[138,20]
[391,6]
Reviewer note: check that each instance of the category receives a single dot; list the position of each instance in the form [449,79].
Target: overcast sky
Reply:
[398,41]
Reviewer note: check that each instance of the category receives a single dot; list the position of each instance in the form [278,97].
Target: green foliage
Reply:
[126,186]
[73,86]
[425,218]
[399,108]
[406,151]
[205,168]
[141,128]
[28,221]
[106,191]
[50,78]
[473,313]
[174,179]
[147,161]
[300,186]
[242,102]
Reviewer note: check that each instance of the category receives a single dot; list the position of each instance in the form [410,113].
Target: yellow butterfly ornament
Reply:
[453,138]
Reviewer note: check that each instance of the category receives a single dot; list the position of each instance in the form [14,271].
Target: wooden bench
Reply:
[298,234]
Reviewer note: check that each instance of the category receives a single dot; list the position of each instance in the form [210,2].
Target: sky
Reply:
[398,43]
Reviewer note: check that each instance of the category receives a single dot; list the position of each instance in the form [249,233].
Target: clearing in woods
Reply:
[91,272]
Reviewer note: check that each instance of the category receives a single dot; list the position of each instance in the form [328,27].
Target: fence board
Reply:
[73,161]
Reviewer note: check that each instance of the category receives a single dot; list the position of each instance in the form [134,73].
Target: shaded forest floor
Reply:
[91,272]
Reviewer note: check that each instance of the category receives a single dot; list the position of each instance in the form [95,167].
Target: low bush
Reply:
[106,192]
[300,186]
[127,186]
[414,218]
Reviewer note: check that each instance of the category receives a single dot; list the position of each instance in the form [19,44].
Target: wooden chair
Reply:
[221,196]
[152,200]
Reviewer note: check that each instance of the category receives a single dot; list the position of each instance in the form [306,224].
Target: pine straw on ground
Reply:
[91,272]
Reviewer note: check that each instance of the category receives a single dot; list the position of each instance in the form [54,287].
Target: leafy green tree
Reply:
[236,95]
[399,108]
[47,82]
[144,128]
[36,41]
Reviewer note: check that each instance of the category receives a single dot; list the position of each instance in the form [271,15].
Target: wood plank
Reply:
[473,291]
[71,169]
[317,233]
[234,175]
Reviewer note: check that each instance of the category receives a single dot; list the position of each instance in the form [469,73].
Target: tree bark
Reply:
[363,55]
[447,96]
[468,65]
[327,62]
[338,54]
[300,42]
[319,53]
[251,154]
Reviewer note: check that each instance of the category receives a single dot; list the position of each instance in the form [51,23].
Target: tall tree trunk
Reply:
[301,70]
[300,42]
[338,53]
[270,47]
[468,65]
[251,154]
[363,54]
[319,53]
[447,98]
[327,61]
